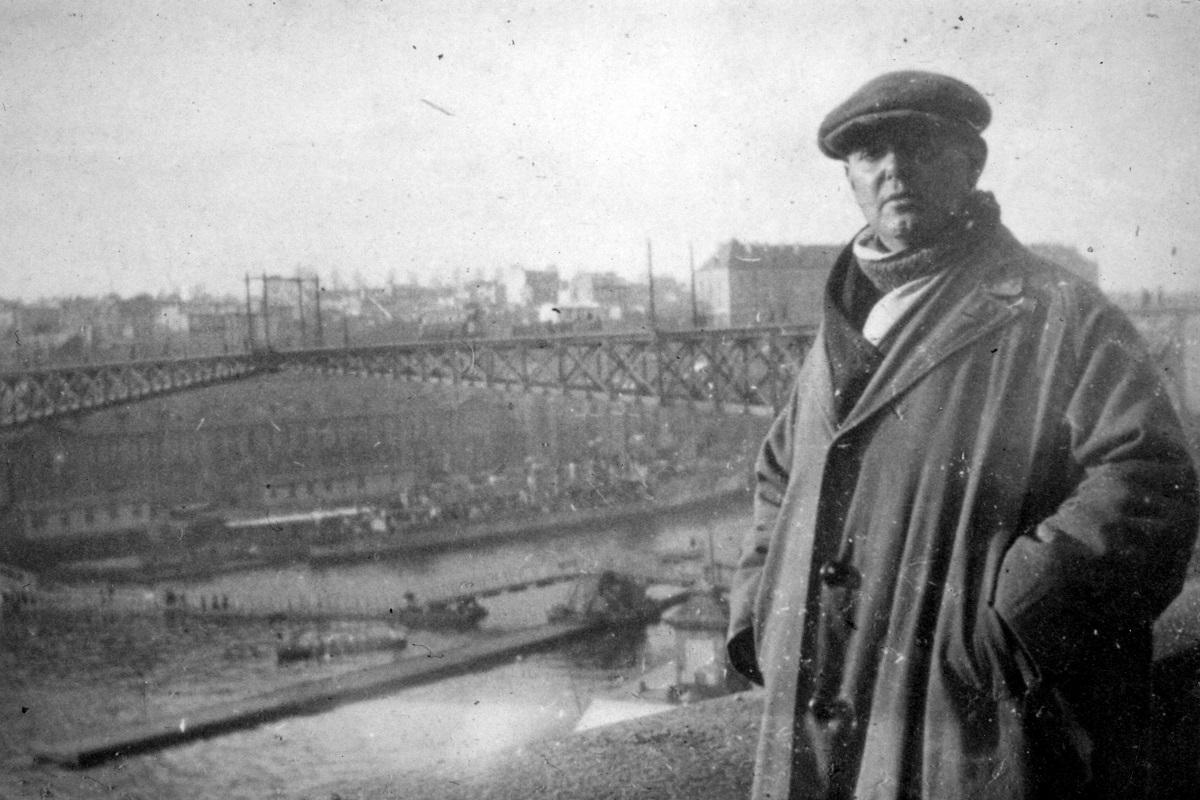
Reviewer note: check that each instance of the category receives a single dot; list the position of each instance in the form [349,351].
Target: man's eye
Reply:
[870,152]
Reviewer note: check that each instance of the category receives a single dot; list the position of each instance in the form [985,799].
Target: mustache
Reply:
[903,195]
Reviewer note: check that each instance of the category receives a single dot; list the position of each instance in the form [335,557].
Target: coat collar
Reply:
[817,377]
[986,291]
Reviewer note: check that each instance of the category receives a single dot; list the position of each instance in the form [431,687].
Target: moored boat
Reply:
[608,597]
[340,639]
[440,615]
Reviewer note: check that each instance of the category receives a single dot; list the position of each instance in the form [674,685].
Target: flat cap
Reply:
[938,99]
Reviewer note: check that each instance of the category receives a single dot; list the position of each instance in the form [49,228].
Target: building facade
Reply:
[763,284]
[772,284]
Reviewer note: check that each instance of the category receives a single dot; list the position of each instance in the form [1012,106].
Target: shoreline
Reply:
[448,537]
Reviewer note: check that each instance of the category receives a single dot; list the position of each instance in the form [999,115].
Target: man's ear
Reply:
[976,173]
[979,159]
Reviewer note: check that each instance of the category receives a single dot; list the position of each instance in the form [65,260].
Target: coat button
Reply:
[830,709]
[838,574]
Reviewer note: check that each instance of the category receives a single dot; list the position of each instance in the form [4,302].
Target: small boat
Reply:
[440,615]
[340,639]
[679,556]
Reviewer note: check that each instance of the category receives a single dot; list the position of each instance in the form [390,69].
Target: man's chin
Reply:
[906,231]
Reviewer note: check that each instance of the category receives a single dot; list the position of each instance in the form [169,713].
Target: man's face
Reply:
[909,182]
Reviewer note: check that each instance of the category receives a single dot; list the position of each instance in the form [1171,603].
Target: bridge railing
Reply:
[743,367]
[749,367]
[39,394]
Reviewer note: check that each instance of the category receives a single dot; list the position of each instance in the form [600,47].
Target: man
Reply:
[975,504]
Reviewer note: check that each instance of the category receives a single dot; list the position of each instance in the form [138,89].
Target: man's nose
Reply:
[897,163]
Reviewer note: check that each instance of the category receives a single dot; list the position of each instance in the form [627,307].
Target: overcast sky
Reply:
[151,146]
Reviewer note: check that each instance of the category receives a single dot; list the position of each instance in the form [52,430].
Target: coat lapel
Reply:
[819,382]
[979,297]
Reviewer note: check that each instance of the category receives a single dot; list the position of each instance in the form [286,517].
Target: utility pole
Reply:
[266,319]
[300,306]
[317,299]
[695,308]
[249,317]
[653,314]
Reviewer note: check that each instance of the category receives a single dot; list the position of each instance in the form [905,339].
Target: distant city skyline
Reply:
[151,147]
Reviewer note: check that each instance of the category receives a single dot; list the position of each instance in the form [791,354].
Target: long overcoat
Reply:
[948,594]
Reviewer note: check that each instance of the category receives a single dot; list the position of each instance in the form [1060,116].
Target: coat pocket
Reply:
[991,661]
[1007,723]
[1008,667]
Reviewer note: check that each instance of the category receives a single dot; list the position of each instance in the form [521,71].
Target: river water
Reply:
[70,674]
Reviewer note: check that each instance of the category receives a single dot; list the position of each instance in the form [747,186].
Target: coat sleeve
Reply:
[1110,557]
[771,480]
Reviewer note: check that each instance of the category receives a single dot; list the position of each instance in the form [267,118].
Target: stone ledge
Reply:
[703,751]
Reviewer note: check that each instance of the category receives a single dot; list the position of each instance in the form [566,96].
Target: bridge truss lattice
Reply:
[732,369]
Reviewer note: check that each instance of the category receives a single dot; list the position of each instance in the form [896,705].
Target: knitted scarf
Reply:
[863,274]
[978,217]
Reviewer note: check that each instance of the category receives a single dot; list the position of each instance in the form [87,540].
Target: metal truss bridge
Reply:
[732,369]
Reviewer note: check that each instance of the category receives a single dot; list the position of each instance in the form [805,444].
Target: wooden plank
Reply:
[305,697]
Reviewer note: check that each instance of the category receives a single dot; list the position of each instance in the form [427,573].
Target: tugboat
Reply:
[340,639]
[608,597]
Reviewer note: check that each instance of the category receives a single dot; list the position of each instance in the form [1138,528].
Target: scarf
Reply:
[978,217]
[864,274]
